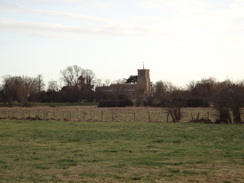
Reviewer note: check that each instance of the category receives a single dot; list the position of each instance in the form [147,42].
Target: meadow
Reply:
[74,151]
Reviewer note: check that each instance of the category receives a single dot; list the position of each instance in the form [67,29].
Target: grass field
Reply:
[65,151]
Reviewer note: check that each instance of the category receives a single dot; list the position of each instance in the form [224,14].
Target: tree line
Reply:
[226,97]
[78,85]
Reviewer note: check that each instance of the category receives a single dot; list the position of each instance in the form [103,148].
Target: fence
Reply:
[131,114]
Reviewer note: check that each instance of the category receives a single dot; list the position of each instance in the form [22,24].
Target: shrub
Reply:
[224,115]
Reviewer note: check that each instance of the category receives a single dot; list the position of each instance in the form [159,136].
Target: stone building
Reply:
[141,87]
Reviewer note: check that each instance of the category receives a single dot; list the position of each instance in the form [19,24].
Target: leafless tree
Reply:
[53,86]
[107,82]
[75,77]
[89,77]
[162,89]
[72,76]
[40,83]
[19,89]
[202,89]
[98,82]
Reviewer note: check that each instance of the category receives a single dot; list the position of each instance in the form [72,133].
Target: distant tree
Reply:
[222,101]
[98,82]
[1,94]
[175,102]
[53,86]
[72,76]
[171,97]
[89,77]
[228,100]
[78,82]
[203,89]
[40,83]
[236,92]
[162,91]
[131,79]
[107,82]
[19,89]
[38,87]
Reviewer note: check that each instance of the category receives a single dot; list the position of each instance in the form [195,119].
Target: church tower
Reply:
[143,82]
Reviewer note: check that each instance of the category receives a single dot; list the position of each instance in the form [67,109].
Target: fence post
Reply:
[62,114]
[53,115]
[91,116]
[101,115]
[149,117]
[134,117]
[84,116]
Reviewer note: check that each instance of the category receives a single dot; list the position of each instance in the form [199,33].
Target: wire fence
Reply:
[95,114]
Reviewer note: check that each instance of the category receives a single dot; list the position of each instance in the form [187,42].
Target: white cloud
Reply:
[86,24]
[37,28]
[88,5]
[180,19]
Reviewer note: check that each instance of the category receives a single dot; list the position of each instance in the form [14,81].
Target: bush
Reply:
[224,115]
[139,102]
[175,113]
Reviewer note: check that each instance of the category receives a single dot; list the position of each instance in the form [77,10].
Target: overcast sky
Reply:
[178,40]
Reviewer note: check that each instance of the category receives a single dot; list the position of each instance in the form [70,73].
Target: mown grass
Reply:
[56,151]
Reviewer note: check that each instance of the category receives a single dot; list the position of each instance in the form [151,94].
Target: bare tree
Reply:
[72,76]
[19,89]
[163,90]
[202,89]
[89,77]
[40,83]
[75,77]
[98,82]
[107,82]
[78,83]
[53,86]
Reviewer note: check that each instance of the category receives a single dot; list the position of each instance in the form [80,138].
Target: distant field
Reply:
[95,114]
[66,151]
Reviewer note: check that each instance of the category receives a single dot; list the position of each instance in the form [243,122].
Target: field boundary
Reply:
[95,114]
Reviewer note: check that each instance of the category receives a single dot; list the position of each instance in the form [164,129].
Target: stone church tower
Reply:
[143,83]
[140,88]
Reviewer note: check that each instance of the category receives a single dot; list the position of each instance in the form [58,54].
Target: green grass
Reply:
[51,151]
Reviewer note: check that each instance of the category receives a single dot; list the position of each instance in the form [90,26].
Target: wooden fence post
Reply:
[53,115]
[70,115]
[101,115]
[91,116]
[84,116]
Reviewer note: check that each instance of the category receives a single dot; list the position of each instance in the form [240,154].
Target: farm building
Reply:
[136,86]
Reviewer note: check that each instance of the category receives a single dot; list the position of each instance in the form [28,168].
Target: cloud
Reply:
[71,5]
[48,29]
[178,19]
[86,24]
[196,17]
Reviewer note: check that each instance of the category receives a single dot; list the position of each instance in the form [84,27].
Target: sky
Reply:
[178,40]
